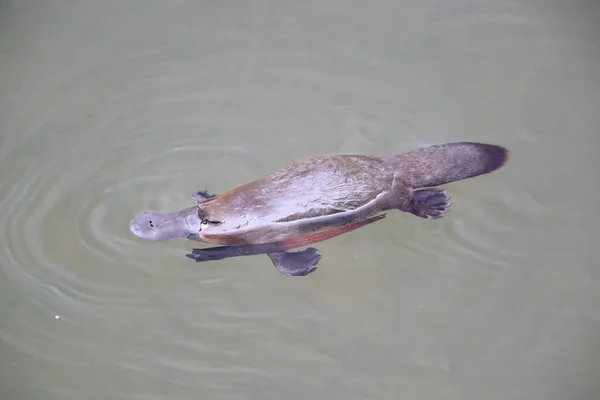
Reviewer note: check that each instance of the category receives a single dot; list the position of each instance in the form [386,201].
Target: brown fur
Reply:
[339,189]
[440,164]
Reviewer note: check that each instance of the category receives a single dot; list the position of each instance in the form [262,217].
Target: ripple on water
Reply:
[67,252]
[76,182]
[137,137]
[75,205]
[473,234]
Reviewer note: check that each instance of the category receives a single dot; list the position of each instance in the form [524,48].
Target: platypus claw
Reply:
[430,203]
[202,195]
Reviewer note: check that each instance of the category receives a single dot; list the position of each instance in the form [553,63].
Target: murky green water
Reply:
[110,108]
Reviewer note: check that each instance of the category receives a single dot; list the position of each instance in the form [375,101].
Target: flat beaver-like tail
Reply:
[440,164]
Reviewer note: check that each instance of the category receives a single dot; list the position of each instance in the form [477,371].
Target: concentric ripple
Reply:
[75,205]
[105,150]
[110,109]
[68,194]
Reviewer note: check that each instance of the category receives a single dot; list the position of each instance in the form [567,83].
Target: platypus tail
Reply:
[440,164]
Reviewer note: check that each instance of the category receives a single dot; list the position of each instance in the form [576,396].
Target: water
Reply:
[112,108]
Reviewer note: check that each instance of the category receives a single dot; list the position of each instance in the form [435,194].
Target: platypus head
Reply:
[162,227]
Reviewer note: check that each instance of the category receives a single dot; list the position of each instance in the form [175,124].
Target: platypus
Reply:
[318,198]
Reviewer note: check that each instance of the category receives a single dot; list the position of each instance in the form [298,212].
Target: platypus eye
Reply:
[207,221]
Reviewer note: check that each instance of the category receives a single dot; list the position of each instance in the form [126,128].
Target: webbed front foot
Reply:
[223,252]
[202,195]
[213,253]
[299,263]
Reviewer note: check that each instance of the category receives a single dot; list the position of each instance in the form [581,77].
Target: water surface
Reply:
[111,108]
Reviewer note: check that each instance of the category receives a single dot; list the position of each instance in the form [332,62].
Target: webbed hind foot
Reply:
[299,263]
[429,203]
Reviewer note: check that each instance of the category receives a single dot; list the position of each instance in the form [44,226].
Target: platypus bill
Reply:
[319,198]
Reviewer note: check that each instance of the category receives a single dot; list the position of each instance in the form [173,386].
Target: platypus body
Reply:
[318,198]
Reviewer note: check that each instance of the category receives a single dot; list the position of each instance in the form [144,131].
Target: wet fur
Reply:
[323,192]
